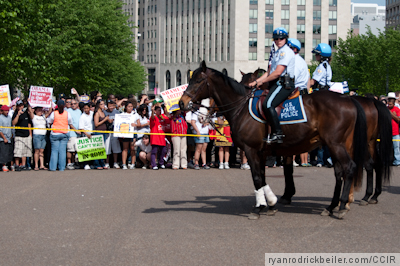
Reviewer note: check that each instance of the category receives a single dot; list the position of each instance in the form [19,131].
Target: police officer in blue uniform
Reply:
[322,76]
[300,68]
[280,77]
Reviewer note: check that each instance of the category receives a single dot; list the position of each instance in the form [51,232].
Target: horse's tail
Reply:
[385,144]
[360,142]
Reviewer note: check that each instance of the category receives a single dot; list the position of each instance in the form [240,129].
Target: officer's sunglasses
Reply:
[278,39]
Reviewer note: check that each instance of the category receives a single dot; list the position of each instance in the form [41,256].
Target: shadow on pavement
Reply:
[392,189]
[240,206]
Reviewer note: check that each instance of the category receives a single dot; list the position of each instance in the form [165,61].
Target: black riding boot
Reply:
[277,133]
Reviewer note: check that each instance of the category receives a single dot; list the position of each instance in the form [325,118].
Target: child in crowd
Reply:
[158,143]
[179,126]
[145,150]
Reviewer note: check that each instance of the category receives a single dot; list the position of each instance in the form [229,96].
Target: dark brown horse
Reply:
[333,120]
[378,156]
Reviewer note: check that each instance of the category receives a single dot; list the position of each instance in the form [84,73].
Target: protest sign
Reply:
[337,87]
[40,96]
[84,98]
[5,98]
[91,149]
[123,123]
[172,96]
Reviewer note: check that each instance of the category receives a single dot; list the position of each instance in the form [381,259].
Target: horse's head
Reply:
[198,89]
[250,77]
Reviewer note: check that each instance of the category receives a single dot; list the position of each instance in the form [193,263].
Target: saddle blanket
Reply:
[292,112]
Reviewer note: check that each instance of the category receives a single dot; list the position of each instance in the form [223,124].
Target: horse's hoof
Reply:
[326,213]
[342,213]
[373,201]
[271,211]
[363,203]
[284,201]
[347,206]
[253,216]
[336,209]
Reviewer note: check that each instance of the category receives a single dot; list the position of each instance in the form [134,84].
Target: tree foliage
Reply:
[367,61]
[86,44]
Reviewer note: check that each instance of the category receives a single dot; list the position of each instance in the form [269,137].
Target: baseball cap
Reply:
[392,95]
[5,108]
[19,102]
[61,95]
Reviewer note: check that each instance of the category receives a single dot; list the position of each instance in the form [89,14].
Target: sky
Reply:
[379,2]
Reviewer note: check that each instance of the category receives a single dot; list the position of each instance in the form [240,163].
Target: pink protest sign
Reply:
[40,96]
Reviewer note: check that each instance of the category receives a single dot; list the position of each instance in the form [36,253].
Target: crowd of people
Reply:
[24,149]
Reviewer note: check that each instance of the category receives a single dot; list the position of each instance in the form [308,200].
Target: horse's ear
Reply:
[241,72]
[203,66]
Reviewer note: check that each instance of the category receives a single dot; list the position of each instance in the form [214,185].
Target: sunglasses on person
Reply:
[278,39]
[68,102]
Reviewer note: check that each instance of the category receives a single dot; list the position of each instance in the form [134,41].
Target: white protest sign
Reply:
[123,123]
[40,96]
[5,98]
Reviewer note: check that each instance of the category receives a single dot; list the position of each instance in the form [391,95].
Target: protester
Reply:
[129,143]
[23,137]
[112,143]
[86,123]
[145,150]
[395,112]
[158,142]
[62,121]
[75,114]
[178,126]
[200,128]
[143,122]
[100,124]
[39,135]
[6,145]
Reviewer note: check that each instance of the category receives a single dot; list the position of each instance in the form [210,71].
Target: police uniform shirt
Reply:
[301,72]
[322,75]
[284,56]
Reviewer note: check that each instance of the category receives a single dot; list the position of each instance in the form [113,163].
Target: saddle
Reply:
[295,94]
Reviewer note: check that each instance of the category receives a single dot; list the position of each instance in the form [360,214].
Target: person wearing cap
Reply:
[395,112]
[61,96]
[280,77]
[62,122]
[112,143]
[23,137]
[322,76]
[6,145]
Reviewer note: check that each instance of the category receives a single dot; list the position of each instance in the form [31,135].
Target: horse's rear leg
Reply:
[336,193]
[290,189]
[350,169]
[370,182]
[378,185]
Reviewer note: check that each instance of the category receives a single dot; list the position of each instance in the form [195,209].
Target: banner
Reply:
[40,96]
[5,98]
[123,123]
[91,149]
[172,96]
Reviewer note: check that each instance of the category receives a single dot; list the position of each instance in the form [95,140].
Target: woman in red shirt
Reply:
[179,126]
[157,142]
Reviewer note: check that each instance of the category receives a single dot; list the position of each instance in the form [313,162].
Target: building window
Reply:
[253,13]
[301,14]
[333,2]
[332,42]
[178,78]
[168,79]
[317,14]
[301,28]
[269,14]
[268,42]
[301,2]
[225,72]
[252,2]
[269,2]
[285,2]
[285,26]
[285,14]
[252,56]
[317,29]
[315,42]
[253,28]
[317,2]
[269,28]
[253,42]
[332,29]
[332,15]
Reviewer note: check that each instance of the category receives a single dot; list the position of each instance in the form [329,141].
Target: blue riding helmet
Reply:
[294,43]
[280,33]
[323,49]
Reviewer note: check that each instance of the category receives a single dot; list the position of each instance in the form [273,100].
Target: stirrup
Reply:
[274,138]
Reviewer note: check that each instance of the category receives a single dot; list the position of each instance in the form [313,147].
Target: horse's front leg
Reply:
[263,192]
[290,190]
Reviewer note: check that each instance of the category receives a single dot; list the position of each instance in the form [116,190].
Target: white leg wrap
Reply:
[260,197]
[271,198]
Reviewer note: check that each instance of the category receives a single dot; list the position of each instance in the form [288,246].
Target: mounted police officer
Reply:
[300,67]
[322,76]
[280,76]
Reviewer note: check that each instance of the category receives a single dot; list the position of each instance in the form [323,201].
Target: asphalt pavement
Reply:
[180,217]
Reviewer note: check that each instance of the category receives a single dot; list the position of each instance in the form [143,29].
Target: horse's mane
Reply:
[236,86]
